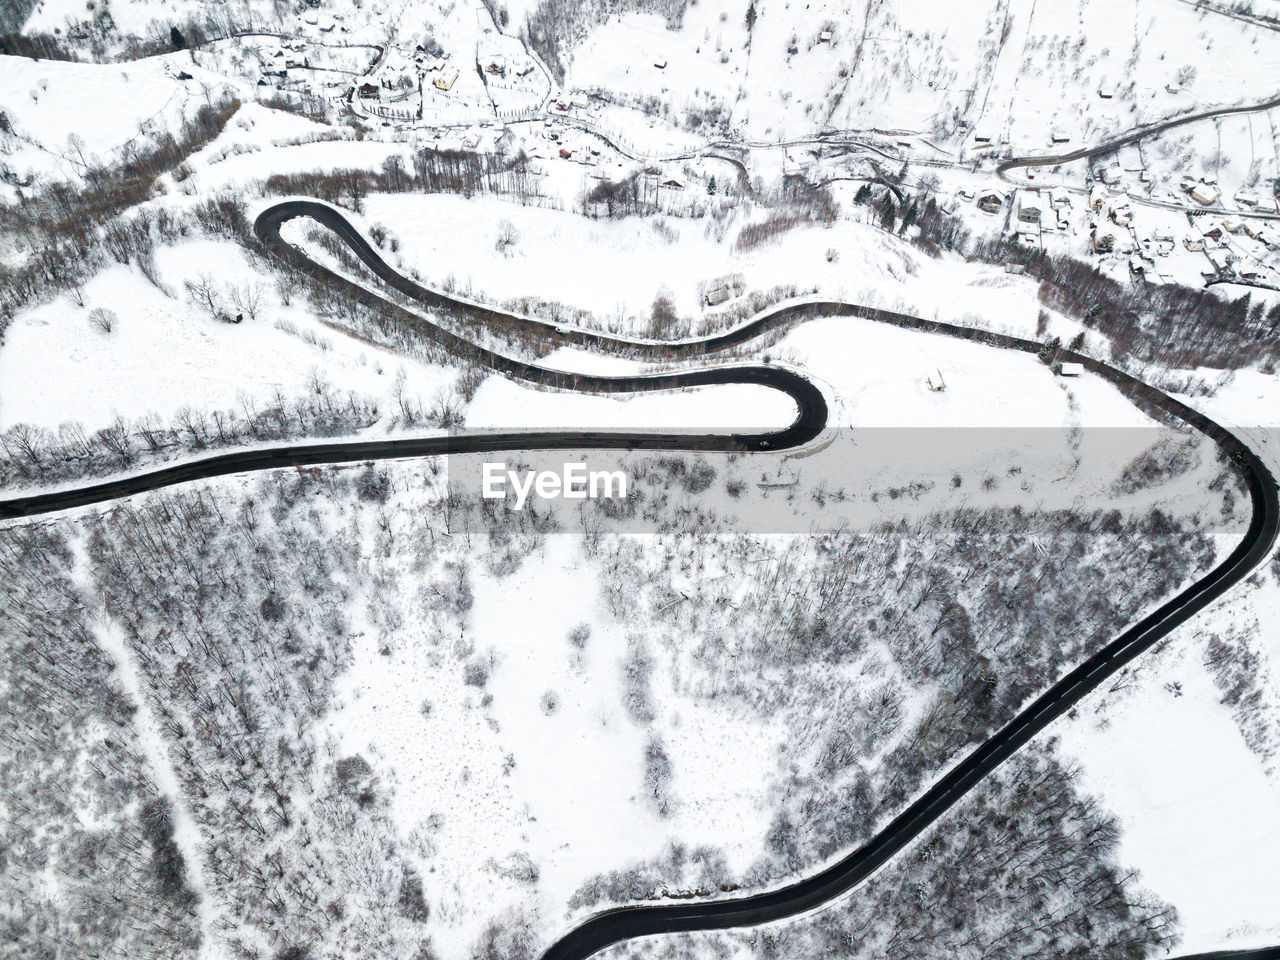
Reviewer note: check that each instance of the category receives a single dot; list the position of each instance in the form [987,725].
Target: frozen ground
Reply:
[1200,815]
[164,354]
[67,116]
[562,787]
[572,799]
[616,268]
[1014,72]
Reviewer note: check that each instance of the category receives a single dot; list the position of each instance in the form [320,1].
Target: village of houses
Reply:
[475,87]
[1199,237]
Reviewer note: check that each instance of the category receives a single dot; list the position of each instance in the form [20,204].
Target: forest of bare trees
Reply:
[61,223]
[949,630]
[1025,867]
[89,865]
[1171,325]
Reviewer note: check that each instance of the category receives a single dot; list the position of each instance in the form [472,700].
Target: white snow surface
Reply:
[1199,815]
[616,268]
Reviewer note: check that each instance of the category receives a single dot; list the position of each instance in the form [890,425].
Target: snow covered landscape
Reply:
[493,481]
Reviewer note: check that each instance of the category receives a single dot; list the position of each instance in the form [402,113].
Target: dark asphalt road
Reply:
[1133,136]
[627,923]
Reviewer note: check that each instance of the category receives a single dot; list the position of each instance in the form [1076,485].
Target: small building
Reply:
[1121,213]
[1219,259]
[1173,88]
[1058,135]
[368,91]
[1233,225]
[717,294]
[990,200]
[1254,229]
[660,64]
[1213,231]
[1106,90]
[1070,369]
[673,183]
[496,68]
[445,80]
[1246,199]
[1104,241]
[824,36]
[1248,271]
[1029,206]
[580,101]
[1097,197]
[1204,193]
[1110,174]
[1060,198]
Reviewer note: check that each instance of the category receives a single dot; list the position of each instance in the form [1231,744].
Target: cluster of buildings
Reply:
[1235,246]
[1232,246]
[1033,213]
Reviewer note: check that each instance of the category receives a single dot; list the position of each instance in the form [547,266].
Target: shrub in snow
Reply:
[103,319]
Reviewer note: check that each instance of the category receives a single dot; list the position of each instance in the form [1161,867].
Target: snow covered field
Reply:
[1200,811]
[1014,73]
[69,116]
[615,269]
[512,758]
[164,354]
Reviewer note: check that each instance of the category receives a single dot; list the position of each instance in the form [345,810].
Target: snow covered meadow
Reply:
[332,712]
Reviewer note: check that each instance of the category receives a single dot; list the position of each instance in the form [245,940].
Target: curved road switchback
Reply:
[838,878]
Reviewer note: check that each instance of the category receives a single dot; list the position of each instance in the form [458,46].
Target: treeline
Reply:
[98,38]
[243,613]
[984,624]
[1171,325]
[798,204]
[237,612]
[1026,867]
[432,171]
[111,883]
[554,26]
[34,456]
[889,655]
[63,224]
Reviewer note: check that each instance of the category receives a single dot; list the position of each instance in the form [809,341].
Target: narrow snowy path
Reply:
[155,751]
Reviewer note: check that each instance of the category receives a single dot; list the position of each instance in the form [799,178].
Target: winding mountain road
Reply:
[625,923]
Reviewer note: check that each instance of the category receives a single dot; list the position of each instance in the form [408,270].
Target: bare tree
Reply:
[103,319]
[507,237]
[247,299]
[204,292]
